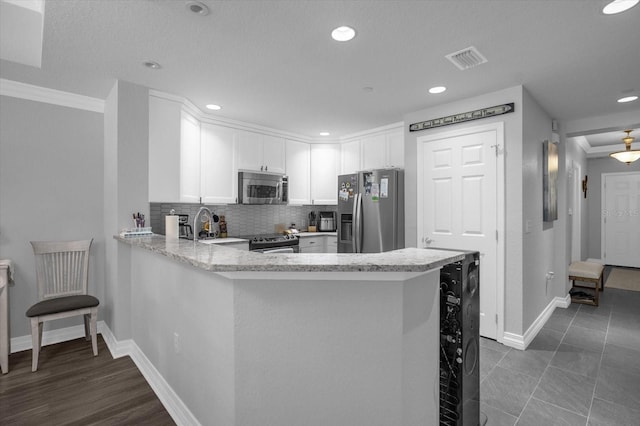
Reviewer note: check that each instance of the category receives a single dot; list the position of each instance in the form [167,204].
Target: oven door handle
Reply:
[279,250]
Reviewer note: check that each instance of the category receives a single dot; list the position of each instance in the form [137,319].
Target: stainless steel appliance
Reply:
[274,243]
[262,188]
[327,222]
[184,229]
[371,211]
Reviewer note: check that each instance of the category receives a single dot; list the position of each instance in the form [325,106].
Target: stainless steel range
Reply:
[274,243]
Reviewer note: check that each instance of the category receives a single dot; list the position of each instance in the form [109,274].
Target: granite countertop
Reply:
[218,258]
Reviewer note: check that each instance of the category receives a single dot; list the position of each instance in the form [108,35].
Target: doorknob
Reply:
[427,241]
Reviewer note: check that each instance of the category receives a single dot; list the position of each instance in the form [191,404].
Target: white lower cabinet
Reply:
[331,244]
[312,244]
[319,244]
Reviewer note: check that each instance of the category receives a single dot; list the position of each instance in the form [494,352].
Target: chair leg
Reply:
[87,332]
[94,330]
[36,337]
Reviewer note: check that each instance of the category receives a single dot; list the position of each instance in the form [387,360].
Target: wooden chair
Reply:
[62,273]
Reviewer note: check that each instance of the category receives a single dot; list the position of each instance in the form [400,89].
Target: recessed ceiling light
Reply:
[437,89]
[367,89]
[197,7]
[324,133]
[343,33]
[618,6]
[627,99]
[152,64]
[214,107]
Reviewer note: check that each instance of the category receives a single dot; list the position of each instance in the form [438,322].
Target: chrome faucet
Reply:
[196,232]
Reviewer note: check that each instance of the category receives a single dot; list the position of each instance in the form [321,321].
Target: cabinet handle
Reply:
[266,168]
[261,168]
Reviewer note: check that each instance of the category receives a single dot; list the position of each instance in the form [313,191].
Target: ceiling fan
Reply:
[628,155]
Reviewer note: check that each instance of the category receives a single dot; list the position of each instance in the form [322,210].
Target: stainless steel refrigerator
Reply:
[371,211]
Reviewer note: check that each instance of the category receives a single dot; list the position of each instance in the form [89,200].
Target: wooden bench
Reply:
[590,272]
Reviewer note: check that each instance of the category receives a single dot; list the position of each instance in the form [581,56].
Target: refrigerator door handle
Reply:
[358,223]
[354,224]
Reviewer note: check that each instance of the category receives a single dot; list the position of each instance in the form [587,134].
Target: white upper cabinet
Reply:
[174,153]
[374,152]
[189,159]
[325,167]
[383,150]
[350,156]
[260,152]
[298,169]
[395,148]
[219,181]
[273,154]
[164,150]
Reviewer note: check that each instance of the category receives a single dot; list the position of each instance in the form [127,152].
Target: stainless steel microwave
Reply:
[262,188]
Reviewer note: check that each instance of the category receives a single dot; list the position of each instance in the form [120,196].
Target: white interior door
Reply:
[621,219]
[458,204]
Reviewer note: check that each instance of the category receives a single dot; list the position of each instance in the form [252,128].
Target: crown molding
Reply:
[372,132]
[16,89]
[203,117]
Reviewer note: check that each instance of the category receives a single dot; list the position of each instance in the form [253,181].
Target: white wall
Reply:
[51,171]
[513,185]
[126,182]
[541,246]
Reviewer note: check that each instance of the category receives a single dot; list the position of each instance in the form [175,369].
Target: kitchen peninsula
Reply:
[284,339]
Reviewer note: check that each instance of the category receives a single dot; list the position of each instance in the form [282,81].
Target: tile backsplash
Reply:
[241,219]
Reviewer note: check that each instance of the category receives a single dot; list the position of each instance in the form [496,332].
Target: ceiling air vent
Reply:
[466,58]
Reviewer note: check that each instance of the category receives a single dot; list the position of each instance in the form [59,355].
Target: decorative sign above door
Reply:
[460,118]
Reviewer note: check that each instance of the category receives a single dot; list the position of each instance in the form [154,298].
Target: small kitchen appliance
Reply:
[185,230]
[327,222]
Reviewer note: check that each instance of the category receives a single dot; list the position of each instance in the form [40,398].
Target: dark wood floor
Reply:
[72,387]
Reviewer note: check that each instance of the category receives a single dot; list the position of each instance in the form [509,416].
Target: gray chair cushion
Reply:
[62,304]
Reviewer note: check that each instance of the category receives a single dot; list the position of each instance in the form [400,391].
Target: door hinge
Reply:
[496,235]
[496,318]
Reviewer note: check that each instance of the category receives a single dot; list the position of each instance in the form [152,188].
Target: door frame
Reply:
[603,199]
[576,212]
[498,127]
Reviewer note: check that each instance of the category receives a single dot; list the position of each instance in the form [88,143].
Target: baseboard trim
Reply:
[165,393]
[521,342]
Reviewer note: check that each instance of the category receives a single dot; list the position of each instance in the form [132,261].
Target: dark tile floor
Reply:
[583,368]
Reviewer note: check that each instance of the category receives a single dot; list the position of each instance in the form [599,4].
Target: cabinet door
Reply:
[249,150]
[189,159]
[312,244]
[395,148]
[374,152]
[350,153]
[298,169]
[164,150]
[273,154]
[219,173]
[324,173]
[332,244]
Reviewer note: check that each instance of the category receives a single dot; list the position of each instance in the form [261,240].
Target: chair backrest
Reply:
[62,267]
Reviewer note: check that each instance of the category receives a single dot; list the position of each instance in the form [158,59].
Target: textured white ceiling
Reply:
[273,62]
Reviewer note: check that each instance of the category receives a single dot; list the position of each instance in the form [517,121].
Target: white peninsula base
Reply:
[291,348]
